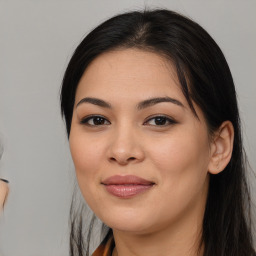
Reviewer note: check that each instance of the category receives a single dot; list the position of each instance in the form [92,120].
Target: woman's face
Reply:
[140,154]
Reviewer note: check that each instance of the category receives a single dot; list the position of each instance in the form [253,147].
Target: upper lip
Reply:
[126,180]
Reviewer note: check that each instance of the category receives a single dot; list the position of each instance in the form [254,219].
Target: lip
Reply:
[126,186]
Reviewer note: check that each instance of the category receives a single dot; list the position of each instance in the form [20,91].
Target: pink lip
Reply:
[126,186]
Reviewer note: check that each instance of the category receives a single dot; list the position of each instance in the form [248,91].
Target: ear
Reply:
[221,148]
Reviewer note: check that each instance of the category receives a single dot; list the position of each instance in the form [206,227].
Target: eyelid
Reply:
[84,120]
[168,118]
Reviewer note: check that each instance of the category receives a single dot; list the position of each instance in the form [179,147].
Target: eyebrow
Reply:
[154,101]
[141,105]
[94,101]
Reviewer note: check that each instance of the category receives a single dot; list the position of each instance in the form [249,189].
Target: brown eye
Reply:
[95,121]
[160,121]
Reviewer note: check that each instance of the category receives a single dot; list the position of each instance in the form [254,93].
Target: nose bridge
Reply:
[125,145]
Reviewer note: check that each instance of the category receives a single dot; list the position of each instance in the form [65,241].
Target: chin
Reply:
[128,222]
[130,227]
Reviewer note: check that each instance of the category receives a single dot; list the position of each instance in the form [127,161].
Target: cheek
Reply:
[181,163]
[85,151]
[182,160]
[87,157]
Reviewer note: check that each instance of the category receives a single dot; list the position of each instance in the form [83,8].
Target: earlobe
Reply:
[221,148]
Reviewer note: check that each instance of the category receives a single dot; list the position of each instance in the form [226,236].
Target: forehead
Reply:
[130,72]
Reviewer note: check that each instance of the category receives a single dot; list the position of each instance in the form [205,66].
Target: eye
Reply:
[160,121]
[95,121]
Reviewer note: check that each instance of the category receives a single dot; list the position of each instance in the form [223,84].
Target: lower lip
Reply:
[127,191]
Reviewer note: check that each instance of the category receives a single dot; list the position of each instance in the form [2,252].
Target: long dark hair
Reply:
[206,80]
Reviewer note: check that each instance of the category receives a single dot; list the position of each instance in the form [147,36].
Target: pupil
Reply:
[160,120]
[98,120]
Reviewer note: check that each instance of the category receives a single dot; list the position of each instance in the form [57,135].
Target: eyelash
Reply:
[86,120]
[161,118]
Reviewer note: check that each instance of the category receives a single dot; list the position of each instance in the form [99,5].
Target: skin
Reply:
[177,156]
[3,193]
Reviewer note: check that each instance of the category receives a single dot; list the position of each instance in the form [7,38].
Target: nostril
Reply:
[113,159]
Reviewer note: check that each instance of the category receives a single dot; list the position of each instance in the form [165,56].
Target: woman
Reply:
[154,130]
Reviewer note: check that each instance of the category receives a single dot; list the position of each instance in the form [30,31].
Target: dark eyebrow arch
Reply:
[153,101]
[94,101]
[141,105]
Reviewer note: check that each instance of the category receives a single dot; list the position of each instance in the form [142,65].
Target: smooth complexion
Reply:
[3,192]
[131,118]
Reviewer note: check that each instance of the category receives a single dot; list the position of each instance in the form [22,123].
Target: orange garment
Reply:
[106,247]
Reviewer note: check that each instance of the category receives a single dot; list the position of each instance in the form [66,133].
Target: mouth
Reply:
[126,186]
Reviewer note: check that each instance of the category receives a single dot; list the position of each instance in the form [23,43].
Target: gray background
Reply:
[37,39]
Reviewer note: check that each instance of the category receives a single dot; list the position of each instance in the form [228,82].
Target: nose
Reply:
[125,147]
